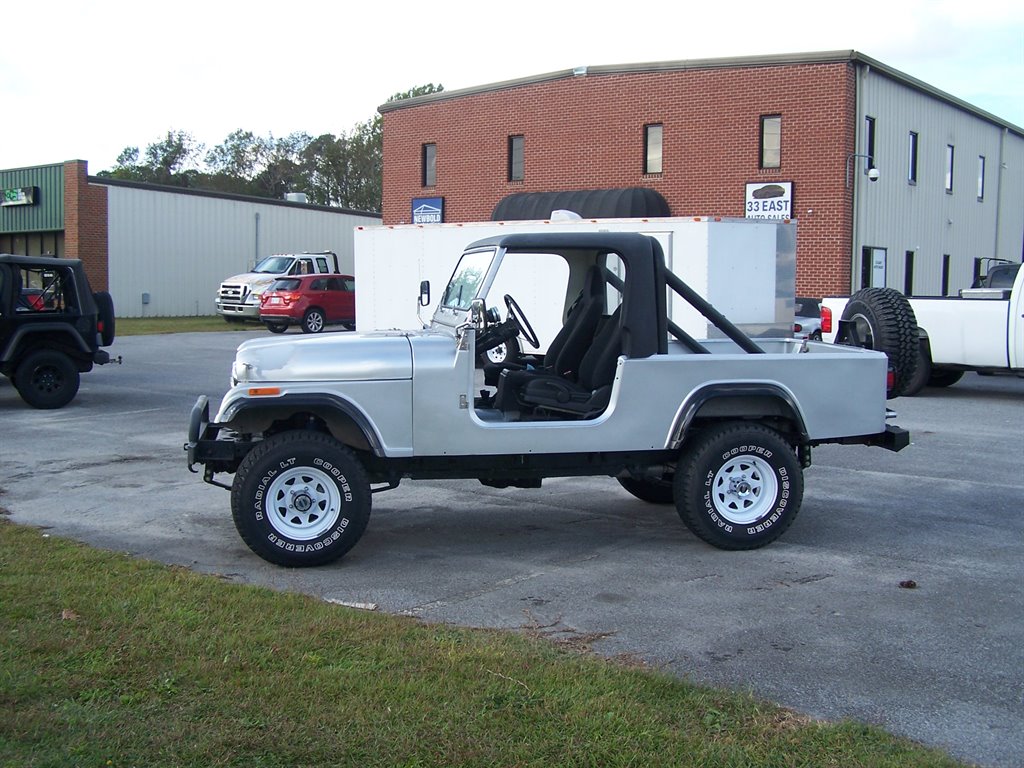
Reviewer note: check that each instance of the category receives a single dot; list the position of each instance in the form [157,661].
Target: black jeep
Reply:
[51,327]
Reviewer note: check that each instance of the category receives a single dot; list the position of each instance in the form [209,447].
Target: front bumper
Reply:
[207,445]
[243,311]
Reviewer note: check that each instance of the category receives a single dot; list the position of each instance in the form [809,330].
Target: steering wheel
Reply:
[517,316]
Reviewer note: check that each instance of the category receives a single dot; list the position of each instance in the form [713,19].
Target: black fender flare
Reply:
[754,391]
[255,412]
[56,329]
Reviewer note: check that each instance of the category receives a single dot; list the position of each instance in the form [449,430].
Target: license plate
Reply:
[275,299]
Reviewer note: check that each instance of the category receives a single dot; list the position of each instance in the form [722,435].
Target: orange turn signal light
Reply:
[264,391]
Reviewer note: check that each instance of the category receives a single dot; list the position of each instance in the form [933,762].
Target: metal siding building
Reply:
[917,223]
[176,248]
[162,251]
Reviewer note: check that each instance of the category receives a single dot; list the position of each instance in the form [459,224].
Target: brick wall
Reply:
[586,132]
[85,223]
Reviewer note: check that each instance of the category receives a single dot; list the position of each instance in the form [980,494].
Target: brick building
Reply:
[730,137]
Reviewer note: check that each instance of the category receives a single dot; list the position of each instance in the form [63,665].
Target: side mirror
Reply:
[424,293]
[477,313]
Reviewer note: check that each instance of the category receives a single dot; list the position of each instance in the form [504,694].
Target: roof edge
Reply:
[142,185]
[768,60]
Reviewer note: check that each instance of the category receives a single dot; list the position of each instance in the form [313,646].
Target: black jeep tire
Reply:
[276,327]
[738,486]
[506,352]
[651,490]
[300,499]
[944,377]
[47,379]
[313,321]
[105,316]
[884,321]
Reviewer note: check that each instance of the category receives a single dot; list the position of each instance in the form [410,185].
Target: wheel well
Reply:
[770,407]
[333,421]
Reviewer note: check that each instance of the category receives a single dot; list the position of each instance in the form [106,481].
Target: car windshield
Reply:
[467,279]
[275,265]
[290,284]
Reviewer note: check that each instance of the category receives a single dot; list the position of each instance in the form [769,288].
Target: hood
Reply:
[256,281]
[376,356]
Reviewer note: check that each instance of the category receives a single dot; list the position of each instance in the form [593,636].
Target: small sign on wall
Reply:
[427,210]
[18,196]
[770,201]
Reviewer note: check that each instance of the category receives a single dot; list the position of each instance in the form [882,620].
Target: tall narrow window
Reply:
[869,143]
[912,159]
[945,275]
[771,141]
[429,165]
[981,177]
[949,169]
[908,273]
[976,277]
[515,158]
[652,148]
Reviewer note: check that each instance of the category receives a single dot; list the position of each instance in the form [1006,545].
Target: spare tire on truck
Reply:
[882,319]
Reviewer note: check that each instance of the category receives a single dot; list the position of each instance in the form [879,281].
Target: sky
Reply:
[86,80]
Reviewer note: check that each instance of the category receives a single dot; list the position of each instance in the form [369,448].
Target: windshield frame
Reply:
[453,310]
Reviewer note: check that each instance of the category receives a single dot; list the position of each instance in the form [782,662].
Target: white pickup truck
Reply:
[981,330]
[238,297]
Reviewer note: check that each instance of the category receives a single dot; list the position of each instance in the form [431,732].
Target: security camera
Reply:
[873,174]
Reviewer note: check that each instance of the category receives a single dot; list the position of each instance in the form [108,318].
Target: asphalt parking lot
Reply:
[818,621]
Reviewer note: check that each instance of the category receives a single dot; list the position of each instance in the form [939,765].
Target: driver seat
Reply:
[573,339]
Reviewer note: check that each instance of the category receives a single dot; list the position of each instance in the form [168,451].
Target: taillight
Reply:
[890,379]
[826,320]
[797,327]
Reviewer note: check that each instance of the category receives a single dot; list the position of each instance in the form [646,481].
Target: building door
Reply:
[872,267]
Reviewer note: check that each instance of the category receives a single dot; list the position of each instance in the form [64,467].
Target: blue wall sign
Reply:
[427,210]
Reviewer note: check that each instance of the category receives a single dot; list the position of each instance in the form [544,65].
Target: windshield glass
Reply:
[467,279]
[286,284]
[275,265]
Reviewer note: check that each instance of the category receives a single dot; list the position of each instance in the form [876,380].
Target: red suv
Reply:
[312,301]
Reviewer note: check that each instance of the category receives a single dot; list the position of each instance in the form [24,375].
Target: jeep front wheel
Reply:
[47,379]
[300,499]
[738,486]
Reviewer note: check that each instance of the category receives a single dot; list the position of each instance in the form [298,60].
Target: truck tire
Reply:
[738,486]
[651,490]
[884,321]
[944,377]
[105,316]
[47,379]
[313,321]
[300,499]
[922,371]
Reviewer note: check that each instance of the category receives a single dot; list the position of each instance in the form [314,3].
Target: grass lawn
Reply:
[137,326]
[110,661]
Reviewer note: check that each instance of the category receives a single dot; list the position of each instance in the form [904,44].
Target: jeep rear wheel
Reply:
[738,486]
[300,499]
[47,379]
[652,490]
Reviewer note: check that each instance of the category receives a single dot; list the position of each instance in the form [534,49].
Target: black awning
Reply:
[627,203]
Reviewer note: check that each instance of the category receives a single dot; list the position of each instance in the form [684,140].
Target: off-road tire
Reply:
[651,490]
[885,322]
[47,379]
[313,321]
[922,372]
[300,499]
[105,316]
[738,486]
[504,353]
